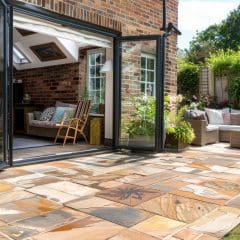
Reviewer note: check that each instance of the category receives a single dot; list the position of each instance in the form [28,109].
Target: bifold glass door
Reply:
[140,93]
[5,154]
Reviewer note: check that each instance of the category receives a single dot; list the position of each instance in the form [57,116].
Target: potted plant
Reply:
[141,127]
[179,133]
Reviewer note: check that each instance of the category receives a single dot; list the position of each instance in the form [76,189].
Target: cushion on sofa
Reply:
[235,118]
[47,114]
[60,113]
[214,116]
[211,128]
[195,114]
[42,124]
[235,111]
[62,104]
[226,118]
[228,127]
[37,115]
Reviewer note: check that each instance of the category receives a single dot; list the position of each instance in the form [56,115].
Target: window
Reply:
[96,79]
[148,75]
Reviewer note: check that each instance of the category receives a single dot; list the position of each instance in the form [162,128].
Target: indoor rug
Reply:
[28,142]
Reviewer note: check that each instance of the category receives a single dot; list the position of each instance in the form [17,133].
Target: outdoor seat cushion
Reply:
[214,116]
[43,124]
[211,128]
[226,127]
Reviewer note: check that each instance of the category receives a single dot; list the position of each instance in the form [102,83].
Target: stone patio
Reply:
[123,196]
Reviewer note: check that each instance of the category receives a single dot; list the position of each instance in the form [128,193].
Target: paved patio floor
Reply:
[123,196]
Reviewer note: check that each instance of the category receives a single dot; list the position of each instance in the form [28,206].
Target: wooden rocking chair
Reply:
[75,125]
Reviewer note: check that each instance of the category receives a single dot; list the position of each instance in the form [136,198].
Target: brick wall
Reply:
[131,17]
[56,83]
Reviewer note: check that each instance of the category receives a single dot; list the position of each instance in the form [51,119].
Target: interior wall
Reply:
[56,83]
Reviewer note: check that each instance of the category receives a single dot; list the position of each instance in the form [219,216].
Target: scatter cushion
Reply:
[68,114]
[62,104]
[47,114]
[214,116]
[226,118]
[195,114]
[235,118]
[59,114]
[37,115]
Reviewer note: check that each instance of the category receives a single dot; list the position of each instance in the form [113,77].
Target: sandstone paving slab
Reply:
[198,165]
[62,164]
[156,178]
[29,183]
[187,170]
[14,196]
[24,208]
[193,178]
[202,193]
[39,168]
[218,222]
[223,186]
[132,235]
[177,207]
[221,175]
[169,185]
[69,173]
[158,226]
[50,220]
[6,187]
[88,228]
[21,179]
[63,191]
[234,202]
[187,234]
[110,211]
[18,233]
[129,194]
[14,172]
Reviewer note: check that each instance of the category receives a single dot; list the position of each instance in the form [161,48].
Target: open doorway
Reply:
[53,67]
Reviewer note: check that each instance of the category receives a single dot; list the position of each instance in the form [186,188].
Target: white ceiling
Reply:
[68,40]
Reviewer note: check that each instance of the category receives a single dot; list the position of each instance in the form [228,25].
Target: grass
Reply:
[234,234]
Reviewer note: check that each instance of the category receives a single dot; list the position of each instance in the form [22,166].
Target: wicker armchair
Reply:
[204,134]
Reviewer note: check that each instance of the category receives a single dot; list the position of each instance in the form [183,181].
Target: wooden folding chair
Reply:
[75,125]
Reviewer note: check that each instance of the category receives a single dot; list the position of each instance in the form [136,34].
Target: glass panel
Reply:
[138,110]
[143,62]
[1,81]
[150,77]
[150,64]
[92,59]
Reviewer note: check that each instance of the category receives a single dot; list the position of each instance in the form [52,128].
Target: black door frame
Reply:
[7,127]
[35,11]
[159,119]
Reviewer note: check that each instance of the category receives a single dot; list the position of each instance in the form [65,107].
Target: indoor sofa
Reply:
[44,124]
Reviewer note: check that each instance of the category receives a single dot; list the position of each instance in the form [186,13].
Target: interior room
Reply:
[53,68]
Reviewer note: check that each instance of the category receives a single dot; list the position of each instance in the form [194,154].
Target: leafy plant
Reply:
[142,121]
[177,126]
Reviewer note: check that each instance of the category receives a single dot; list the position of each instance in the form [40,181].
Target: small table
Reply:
[235,139]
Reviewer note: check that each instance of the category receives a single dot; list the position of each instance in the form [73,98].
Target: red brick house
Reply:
[104,50]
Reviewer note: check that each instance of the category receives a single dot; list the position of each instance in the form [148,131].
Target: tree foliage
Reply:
[216,37]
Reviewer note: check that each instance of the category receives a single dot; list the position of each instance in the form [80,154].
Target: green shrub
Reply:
[234,91]
[188,79]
